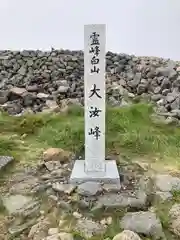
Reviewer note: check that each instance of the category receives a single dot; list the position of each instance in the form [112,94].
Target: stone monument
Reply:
[94,167]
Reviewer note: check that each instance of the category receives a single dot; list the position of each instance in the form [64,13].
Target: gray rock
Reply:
[127,235]
[3,96]
[39,230]
[89,188]
[63,188]
[15,230]
[137,78]
[166,72]
[42,96]
[25,186]
[17,91]
[4,160]
[145,223]
[174,219]
[15,202]
[163,196]
[89,228]
[174,212]
[138,200]
[21,205]
[63,89]
[167,183]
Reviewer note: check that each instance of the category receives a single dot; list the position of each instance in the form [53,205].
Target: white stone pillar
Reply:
[94,167]
[94,95]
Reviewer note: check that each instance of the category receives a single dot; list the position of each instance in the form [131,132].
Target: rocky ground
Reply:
[35,80]
[38,203]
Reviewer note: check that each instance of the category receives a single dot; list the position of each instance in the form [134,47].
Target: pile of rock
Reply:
[38,80]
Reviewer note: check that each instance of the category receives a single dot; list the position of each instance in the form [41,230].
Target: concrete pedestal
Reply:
[110,176]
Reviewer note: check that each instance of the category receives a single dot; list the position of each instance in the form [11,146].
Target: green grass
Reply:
[130,132]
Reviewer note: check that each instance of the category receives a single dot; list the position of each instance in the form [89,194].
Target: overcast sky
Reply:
[141,27]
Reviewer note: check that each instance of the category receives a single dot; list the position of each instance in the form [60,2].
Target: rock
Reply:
[167,183]
[89,188]
[89,228]
[3,96]
[111,187]
[56,154]
[52,105]
[42,96]
[145,223]
[126,235]
[174,219]
[4,160]
[175,226]
[54,166]
[53,237]
[77,215]
[53,231]
[63,89]
[18,229]
[29,208]
[39,230]
[163,196]
[17,91]
[63,188]
[137,200]
[65,236]
[174,212]
[166,72]
[14,203]
[25,186]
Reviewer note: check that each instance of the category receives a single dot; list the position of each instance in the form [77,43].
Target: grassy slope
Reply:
[130,131]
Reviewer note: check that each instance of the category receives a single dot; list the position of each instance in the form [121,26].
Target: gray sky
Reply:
[141,27]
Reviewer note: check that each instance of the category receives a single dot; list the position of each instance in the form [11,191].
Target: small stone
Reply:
[112,200]
[56,154]
[167,183]
[4,160]
[77,215]
[52,165]
[174,212]
[53,237]
[109,220]
[145,223]
[53,197]
[18,229]
[52,105]
[127,235]
[63,188]
[53,231]
[163,196]
[42,96]
[65,236]
[18,91]
[112,187]
[103,221]
[63,89]
[89,188]
[89,228]
[14,203]
[39,230]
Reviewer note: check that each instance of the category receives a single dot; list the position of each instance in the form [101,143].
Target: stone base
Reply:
[111,175]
